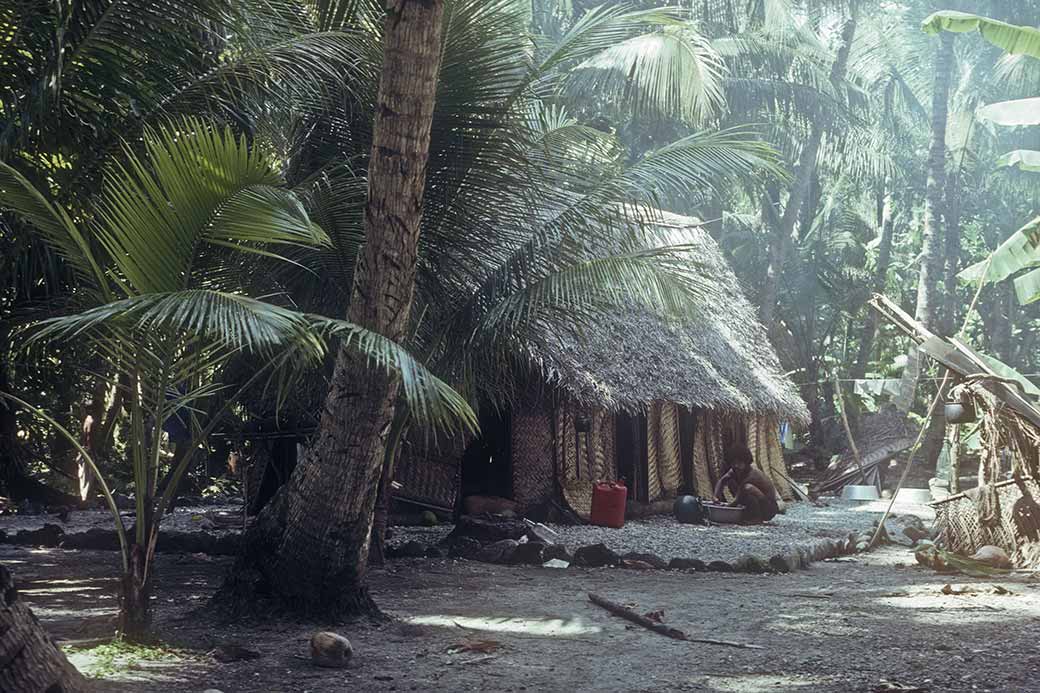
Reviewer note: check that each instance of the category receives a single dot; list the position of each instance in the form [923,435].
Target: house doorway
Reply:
[630,444]
[487,468]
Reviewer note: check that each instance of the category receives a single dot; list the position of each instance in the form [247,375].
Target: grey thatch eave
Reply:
[719,358]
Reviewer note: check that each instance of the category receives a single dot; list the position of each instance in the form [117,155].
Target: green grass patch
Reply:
[118,659]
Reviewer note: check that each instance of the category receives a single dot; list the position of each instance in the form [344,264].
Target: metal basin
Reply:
[860,493]
[724,514]
[914,495]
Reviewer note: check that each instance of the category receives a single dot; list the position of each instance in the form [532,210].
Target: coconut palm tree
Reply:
[529,216]
[31,661]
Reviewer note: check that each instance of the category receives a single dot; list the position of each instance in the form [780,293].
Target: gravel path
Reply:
[800,524]
[217,518]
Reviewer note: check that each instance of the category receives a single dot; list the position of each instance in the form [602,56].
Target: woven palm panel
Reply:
[1018,531]
[429,474]
[669,449]
[653,452]
[532,456]
[701,465]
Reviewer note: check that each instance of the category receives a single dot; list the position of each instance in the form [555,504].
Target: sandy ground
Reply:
[844,625]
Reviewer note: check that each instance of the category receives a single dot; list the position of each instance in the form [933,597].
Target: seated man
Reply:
[750,487]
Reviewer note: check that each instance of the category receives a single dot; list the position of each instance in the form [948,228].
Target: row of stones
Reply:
[513,552]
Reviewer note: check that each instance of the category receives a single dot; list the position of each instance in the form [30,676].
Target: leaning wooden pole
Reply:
[845,423]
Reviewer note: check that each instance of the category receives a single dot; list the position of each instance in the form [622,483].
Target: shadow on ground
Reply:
[840,626]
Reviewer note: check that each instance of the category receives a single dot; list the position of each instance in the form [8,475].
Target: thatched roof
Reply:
[720,360]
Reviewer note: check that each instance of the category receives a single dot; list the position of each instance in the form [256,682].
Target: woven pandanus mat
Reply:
[1018,529]
[669,449]
[764,442]
[653,452]
[701,463]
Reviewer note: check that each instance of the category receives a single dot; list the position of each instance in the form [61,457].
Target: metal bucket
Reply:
[860,493]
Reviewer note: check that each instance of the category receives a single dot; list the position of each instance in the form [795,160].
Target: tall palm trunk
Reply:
[318,530]
[780,240]
[952,251]
[30,662]
[930,275]
[870,327]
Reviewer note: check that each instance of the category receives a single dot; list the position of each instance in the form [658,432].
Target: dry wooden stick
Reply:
[660,628]
[845,422]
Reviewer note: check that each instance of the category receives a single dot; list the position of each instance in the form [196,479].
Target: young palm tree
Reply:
[80,78]
[160,304]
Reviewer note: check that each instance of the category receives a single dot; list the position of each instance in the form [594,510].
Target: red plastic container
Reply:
[608,504]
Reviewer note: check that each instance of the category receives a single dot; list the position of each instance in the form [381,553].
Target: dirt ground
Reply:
[845,625]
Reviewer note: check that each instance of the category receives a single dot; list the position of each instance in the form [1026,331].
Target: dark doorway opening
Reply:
[630,444]
[487,468]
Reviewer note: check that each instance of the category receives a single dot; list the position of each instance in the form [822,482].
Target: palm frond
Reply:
[673,72]
[196,185]
[53,223]
[230,322]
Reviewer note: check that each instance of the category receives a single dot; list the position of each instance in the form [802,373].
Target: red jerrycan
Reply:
[608,504]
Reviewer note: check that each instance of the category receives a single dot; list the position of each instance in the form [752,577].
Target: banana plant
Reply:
[158,262]
[1022,250]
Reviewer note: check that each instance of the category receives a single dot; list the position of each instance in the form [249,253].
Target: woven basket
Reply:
[1018,531]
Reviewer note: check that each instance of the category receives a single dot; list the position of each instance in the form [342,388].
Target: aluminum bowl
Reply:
[724,514]
[914,495]
[860,493]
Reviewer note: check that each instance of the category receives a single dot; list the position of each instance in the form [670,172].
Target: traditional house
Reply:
[635,396]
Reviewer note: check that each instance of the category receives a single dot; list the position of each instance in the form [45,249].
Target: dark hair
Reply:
[739,454]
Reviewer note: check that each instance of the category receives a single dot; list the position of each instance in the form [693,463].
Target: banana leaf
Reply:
[1016,40]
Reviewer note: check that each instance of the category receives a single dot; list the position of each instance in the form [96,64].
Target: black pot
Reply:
[959,412]
[689,510]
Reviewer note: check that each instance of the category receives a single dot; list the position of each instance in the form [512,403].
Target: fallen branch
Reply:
[661,628]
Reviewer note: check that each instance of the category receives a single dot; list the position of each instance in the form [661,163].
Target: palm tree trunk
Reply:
[327,507]
[952,252]
[135,612]
[931,258]
[802,184]
[30,662]
[873,321]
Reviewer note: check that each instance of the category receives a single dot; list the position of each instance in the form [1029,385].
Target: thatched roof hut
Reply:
[635,395]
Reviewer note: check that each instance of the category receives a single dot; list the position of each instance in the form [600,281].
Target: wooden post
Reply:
[955,458]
